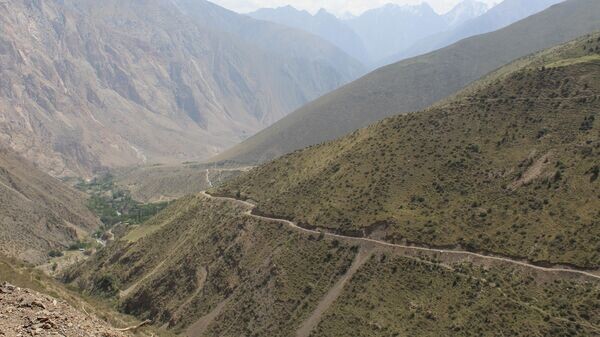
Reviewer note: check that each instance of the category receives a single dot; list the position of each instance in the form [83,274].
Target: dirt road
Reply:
[593,275]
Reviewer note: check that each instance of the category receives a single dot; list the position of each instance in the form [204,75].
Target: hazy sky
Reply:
[335,6]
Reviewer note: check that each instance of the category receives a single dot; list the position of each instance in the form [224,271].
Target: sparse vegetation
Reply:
[202,253]
[475,171]
[265,279]
[402,297]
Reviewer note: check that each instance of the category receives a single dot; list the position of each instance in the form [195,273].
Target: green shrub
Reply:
[55,253]
[106,286]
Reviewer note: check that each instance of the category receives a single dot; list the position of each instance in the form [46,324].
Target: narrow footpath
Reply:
[331,296]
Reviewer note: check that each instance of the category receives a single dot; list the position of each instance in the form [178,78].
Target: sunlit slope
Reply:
[396,296]
[204,268]
[510,167]
[202,258]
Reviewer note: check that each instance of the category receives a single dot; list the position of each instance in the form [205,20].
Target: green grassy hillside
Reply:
[416,83]
[203,268]
[510,166]
[200,257]
[396,296]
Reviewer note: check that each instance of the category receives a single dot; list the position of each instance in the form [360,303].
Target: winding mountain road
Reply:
[588,274]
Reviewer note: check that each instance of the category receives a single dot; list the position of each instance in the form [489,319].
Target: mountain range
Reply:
[455,193]
[323,24]
[415,83]
[378,33]
[87,85]
[393,32]
[392,28]
[501,15]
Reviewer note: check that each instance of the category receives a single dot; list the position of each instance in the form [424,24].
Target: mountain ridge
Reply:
[400,87]
[499,16]
[322,24]
[91,85]
[377,33]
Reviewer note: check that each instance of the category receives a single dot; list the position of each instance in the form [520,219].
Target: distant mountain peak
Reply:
[465,10]
[286,8]
[421,8]
[324,12]
[322,24]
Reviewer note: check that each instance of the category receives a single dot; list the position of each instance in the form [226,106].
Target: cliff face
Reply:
[86,84]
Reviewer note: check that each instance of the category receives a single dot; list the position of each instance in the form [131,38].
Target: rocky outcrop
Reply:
[24,312]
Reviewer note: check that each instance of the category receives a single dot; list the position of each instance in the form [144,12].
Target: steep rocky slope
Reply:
[65,312]
[416,83]
[509,167]
[38,213]
[90,84]
[24,312]
[281,40]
